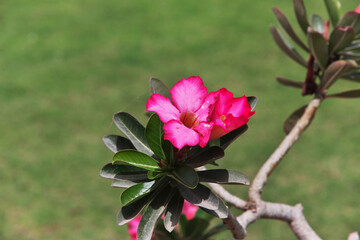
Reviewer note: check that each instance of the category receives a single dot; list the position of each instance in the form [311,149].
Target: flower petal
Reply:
[240,107]
[189,210]
[217,132]
[357,10]
[204,112]
[204,131]
[233,123]
[133,226]
[163,108]
[179,135]
[188,94]
[224,101]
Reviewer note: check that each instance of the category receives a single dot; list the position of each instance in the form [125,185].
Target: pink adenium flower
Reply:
[133,226]
[357,10]
[229,114]
[186,118]
[189,210]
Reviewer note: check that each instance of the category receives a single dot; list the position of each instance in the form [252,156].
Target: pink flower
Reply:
[189,210]
[186,119]
[133,226]
[229,114]
[357,10]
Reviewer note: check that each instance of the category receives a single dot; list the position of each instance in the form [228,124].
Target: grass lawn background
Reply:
[67,66]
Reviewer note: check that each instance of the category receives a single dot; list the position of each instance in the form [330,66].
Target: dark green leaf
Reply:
[340,38]
[154,135]
[228,138]
[223,176]
[318,48]
[252,101]
[336,70]
[347,94]
[317,23]
[137,191]
[155,174]
[284,22]
[286,47]
[202,196]
[116,143]
[354,77]
[353,46]
[157,86]
[293,118]
[333,9]
[133,130]
[222,211]
[136,159]
[173,211]
[301,16]
[209,155]
[122,183]
[169,152]
[152,214]
[112,171]
[194,228]
[131,210]
[185,175]
[289,83]
[351,19]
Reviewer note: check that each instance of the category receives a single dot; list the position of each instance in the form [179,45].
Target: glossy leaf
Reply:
[318,48]
[333,9]
[354,77]
[285,24]
[293,118]
[347,94]
[137,191]
[221,212]
[155,174]
[122,183]
[209,155]
[133,130]
[286,46]
[152,214]
[317,23]
[169,152]
[154,135]
[130,211]
[136,159]
[185,175]
[116,143]
[289,83]
[173,211]
[252,101]
[351,19]
[230,137]
[301,15]
[223,176]
[112,171]
[157,86]
[340,38]
[335,71]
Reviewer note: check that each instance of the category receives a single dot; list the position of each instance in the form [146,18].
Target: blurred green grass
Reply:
[67,66]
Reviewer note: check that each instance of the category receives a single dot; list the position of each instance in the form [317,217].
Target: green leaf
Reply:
[157,86]
[286,46]
[351,19]
[136,159]
[223,176]
[137,191]
[221,212]
[340,38]
[347,94]
[289,83]
[173,212]
[318,48]
[301,15]
[152,214]
[353,46]
[112,171]
[185,175]
[284,22]
[293,118]
[133,130]
[317,23]
[206,156]
[336,70]
[155,174]
[202,196]
[194,228]
[154,135]
[354,77]
[230,137]
[131,210]
[351,54]
[169,152]
[116,143]
[333,9]
[122,183]
[252,101]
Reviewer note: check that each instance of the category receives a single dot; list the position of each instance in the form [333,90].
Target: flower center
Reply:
[223,117]
[189,119]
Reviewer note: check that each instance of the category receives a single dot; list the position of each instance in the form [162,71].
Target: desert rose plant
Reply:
[162,166]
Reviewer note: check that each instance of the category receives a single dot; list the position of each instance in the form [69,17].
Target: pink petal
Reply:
[189,210]
[224,102]
[357,10]
[217,132]
[205,111]
[179,135]
[217,121]
[188,94]
[233,123]
[133,226]
[240,107]
[163,107]
[204,131]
